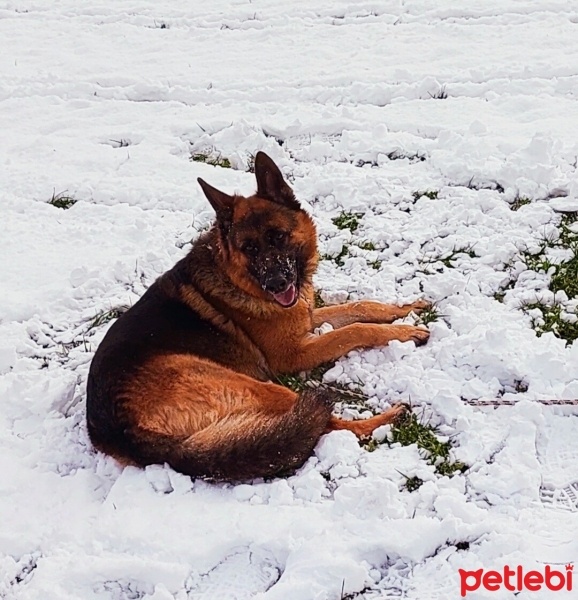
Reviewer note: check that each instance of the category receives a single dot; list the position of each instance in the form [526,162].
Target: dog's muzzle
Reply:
[283,290]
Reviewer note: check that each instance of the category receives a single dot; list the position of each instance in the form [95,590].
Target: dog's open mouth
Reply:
[288,297]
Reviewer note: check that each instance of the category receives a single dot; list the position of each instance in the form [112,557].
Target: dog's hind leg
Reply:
[257,444]
[365,312]
[206,420]
[364,427]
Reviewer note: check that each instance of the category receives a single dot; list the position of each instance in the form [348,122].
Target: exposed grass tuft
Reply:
[410,431]
[448,258]
[450,468]
[553,319]
[347,220]
[441,94]
[105,316]
[314,378]
[210,158]
[319,302]
[552,316]
[431,194]
[61,200]
[122,143]
[568,237]
[412,157]
[366,245]
[406,432]
[338,259]
[519,201]
[428,315]
[412,483]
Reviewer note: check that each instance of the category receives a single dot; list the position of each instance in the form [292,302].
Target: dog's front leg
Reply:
[317,350]
[365,311]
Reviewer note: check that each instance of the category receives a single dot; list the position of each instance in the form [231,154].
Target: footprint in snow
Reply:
[238,577]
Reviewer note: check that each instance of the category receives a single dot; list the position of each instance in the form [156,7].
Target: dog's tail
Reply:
[249,445]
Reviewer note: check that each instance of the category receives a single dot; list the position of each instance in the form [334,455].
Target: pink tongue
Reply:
[287,297]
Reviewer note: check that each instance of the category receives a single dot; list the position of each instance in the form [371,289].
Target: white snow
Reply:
[105,102]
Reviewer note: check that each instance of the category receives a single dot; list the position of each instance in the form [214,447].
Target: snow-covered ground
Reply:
[104,102]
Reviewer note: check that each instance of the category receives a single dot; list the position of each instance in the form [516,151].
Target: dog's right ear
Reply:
[222,204]
[270,182]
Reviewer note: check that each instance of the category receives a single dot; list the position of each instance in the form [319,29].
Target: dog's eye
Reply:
[277,237]
[250,248]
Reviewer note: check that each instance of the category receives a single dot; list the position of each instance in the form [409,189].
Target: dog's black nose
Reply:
[277,283]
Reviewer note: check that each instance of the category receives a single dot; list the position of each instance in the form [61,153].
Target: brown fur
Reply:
[184,376]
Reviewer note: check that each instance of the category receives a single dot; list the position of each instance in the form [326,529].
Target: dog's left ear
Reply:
[270,182]
[222,203]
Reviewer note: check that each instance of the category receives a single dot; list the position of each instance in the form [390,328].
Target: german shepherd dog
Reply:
[186,376]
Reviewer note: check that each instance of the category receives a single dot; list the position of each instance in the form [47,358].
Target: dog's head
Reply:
[268,242]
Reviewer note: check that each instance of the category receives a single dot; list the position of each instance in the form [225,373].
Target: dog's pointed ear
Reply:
[270,182]
[222,203]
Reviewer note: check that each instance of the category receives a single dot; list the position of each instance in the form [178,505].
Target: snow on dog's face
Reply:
[268,242]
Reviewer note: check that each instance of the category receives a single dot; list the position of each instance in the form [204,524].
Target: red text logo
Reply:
[516,580]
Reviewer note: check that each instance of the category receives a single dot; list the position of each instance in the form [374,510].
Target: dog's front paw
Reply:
[409,333]
[419,306]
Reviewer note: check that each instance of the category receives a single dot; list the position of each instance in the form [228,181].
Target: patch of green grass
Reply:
[339,259]
[319,302]
[210,158]
[519,201]
[450,468]
[410,431]
[537,261]
[448,258]
[366,245]
[371,445]
[552,320]
[106,316]
[61,200]
[431,194]
[406,431]
[568,237]
[347,220]
[428,315]
[563,278]
[348,394]
[412,483]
